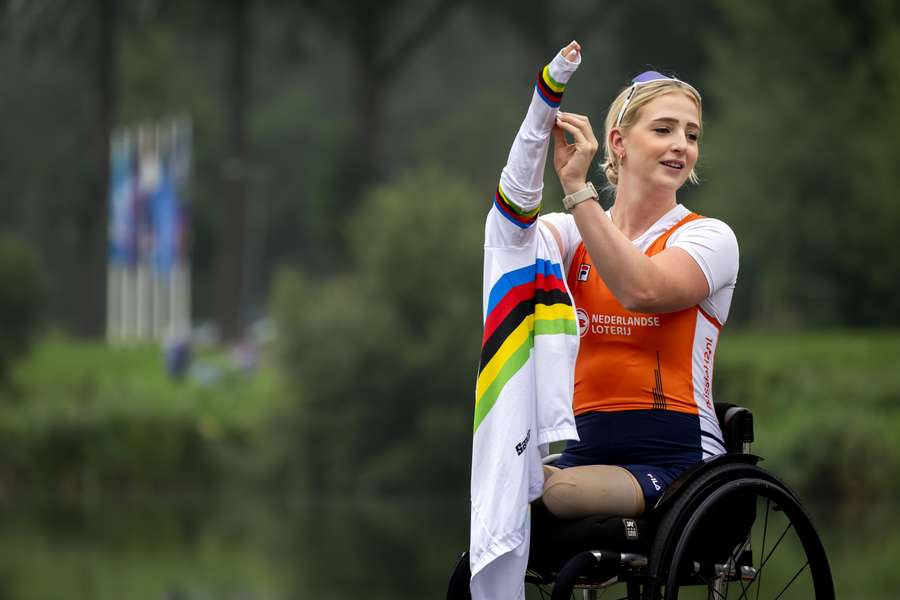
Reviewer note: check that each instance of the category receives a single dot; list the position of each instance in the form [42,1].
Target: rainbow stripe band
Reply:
[513,213]
[550,90]
[522,304]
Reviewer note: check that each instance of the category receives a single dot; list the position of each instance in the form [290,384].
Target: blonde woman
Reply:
[652,285]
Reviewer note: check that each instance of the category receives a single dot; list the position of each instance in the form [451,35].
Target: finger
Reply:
[575,116]
[574,131]
[571,51]
[579,121]
[582,123]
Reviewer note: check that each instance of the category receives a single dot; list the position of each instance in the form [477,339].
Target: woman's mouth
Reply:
[674,164]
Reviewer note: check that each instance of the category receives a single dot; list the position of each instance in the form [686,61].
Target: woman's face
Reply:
[661,148]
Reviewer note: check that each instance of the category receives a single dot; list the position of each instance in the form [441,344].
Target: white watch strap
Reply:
[575,198]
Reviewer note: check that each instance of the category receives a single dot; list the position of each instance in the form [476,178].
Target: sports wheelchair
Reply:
[725,526]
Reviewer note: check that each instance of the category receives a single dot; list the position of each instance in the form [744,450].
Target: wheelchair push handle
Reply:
[736,423]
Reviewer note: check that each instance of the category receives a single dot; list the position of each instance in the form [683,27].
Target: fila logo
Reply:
[654,481]
[583,271]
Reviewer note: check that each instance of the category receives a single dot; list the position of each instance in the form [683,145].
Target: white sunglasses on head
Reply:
[646,77]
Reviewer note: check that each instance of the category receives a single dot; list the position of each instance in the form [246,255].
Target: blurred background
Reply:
[240,269]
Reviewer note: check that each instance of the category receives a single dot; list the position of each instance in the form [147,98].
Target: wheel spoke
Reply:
[709,585]
[763,563]
[765,530]
[790,526]
[739,549]
[797,574]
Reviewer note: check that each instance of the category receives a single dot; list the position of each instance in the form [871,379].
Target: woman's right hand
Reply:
[573,161]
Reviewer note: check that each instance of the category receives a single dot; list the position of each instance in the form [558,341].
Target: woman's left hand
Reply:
[572,161]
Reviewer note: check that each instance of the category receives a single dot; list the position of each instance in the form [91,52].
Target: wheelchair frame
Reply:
[701,535]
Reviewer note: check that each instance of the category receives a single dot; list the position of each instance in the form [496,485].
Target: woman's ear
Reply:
[615,142]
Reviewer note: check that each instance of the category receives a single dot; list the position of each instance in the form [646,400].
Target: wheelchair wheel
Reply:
[738,531]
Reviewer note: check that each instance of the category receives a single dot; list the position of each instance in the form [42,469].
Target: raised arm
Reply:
[518,198]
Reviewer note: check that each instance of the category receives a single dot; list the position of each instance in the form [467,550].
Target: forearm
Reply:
[632,276]
[521,181]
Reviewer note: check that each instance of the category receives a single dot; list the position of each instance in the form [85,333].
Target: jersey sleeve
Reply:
[517,200]
[713,245]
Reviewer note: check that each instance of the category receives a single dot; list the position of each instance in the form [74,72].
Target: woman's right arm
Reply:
[517,200]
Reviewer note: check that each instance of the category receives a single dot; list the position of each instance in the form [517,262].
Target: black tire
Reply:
[727,511]
[458,586]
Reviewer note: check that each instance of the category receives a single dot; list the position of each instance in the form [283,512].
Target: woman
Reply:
[652,285]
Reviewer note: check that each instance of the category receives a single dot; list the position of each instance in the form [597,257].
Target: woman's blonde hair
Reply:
[643,94]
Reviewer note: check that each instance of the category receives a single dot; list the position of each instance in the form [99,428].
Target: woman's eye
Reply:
[662,130]
[693,137]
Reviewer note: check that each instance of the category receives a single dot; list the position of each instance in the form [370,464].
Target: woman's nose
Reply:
[679,143]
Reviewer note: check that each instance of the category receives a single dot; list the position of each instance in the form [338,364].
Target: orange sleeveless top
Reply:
[638,361]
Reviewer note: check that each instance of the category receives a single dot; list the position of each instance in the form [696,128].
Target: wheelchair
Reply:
[725,527]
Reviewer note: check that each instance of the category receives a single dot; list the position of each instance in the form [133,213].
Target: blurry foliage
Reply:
[798,153]
[245,547]
[43,162]
[83,417]
[344,545]
[826,409]
[140,550]
[22,297]
[797,149]
[382,362]
[390,409]
[231,547]
[380,306]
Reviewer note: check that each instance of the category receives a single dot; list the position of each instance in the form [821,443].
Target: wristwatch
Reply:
[570,201]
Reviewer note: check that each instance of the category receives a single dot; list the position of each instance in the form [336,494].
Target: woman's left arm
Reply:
[669,281]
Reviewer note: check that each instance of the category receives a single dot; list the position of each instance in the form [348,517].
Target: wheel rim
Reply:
[786,557]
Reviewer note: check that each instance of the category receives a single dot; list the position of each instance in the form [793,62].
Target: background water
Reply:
[251,548]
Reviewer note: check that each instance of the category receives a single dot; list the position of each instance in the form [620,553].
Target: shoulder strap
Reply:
[659,244]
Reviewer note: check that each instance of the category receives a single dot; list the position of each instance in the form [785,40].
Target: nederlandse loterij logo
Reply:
[584,321]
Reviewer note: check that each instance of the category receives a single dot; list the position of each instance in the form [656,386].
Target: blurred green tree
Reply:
[22,296]
[380,50]
[797,159]
[231,238]
[60,99]
[383,361]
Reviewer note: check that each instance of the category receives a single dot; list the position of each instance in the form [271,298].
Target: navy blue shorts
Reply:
[656,446]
